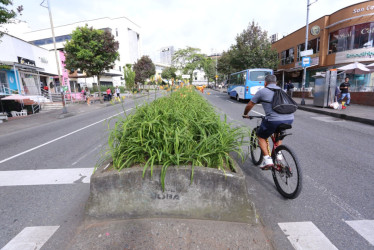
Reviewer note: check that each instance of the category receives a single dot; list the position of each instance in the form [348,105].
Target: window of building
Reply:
[363,35]
[341,40]
[312,44]
[3,81]
[287,56]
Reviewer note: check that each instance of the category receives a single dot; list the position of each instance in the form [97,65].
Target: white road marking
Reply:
[59,138]
[256,112]
[306,236]
[31,238]
[45,177]
[85,155]
[365,228]
[229,101]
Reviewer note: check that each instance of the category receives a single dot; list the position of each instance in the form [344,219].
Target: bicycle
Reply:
[286,164]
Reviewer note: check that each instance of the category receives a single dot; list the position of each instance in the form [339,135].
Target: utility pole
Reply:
[64,110]
[306,48]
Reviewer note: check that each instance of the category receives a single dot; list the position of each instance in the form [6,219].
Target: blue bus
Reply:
[243,85]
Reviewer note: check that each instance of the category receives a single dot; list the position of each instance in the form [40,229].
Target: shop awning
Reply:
[24,66]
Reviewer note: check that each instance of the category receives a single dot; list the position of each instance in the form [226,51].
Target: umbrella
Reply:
[355,68]
[370,66]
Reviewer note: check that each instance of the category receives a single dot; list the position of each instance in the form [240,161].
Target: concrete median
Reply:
[212,195]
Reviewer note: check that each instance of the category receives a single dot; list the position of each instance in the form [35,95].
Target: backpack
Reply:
[283,103]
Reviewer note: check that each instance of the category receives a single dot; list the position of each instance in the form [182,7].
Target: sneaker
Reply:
[348,104]
[267,163]
[279,156]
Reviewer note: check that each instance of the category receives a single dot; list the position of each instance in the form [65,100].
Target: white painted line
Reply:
[365,228]
[306,236]
[229,101]
[45,177]
[59,138]
[256,112]
[85,155]
[31,238]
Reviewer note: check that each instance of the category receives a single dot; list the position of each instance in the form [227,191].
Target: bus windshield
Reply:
[258,75]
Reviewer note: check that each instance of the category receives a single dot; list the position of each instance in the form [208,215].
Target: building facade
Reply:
[24,67]
[344,37]
[126,32]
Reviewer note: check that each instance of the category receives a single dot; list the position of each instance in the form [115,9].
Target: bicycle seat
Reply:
[282,127]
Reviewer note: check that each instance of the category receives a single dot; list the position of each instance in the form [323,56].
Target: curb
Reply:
[341,116]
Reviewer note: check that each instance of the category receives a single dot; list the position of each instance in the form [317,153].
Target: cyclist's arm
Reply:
[248,108]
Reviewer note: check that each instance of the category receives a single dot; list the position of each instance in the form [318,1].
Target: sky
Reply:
[210,25]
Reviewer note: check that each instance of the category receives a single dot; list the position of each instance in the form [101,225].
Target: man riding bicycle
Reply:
[272,119]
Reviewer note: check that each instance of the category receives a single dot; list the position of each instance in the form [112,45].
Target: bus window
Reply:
[258,75]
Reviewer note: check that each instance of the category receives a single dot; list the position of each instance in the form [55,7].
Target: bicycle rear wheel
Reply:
[256,153]
[287,172]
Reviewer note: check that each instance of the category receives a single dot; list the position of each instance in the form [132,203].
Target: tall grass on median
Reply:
[179,129]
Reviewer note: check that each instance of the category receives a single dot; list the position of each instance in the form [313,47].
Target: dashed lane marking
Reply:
[31,238]
[45,177]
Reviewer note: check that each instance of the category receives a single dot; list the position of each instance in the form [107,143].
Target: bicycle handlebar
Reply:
[253,116]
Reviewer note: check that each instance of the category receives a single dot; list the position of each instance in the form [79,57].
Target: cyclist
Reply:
[272,119]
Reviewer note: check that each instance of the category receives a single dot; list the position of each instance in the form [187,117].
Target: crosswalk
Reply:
[306,236]
[302,235]
[31,238]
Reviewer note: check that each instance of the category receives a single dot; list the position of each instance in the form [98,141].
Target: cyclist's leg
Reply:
[263,145]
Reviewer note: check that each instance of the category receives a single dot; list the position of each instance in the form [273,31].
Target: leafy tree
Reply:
[252,50]
[93,51]
[144,69]
[189,59]
[209,67]
[6,14]
[169,73]
[129,76]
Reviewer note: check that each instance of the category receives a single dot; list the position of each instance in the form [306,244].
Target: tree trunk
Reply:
[99,86]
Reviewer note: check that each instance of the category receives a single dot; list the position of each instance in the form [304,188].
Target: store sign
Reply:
[369,7]
[306,61]
[43,59]
[313,61]
[25,61]
[315,30]
[360,55]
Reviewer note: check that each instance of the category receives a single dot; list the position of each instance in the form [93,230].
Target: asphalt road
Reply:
[76,142]
[336,158]
[335,155]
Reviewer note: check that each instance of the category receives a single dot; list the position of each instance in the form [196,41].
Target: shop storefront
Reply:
[341,38]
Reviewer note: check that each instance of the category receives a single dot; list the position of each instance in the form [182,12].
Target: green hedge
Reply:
[180,129]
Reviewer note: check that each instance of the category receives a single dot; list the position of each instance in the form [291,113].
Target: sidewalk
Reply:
[354,112]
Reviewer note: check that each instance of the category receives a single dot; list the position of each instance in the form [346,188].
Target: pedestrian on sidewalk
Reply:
[118,92]
[87,91]
[289,88]
[109,93]
[344,88]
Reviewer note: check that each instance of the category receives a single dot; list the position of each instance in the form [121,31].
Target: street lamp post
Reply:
[64,110]
[306,48]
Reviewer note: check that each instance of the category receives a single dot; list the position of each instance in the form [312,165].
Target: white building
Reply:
[24,67]
[126,32]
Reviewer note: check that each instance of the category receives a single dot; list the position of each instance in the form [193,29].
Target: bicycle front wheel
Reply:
[287,172]
[256,153]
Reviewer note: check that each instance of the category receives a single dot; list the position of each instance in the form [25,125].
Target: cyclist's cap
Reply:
[271,79]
